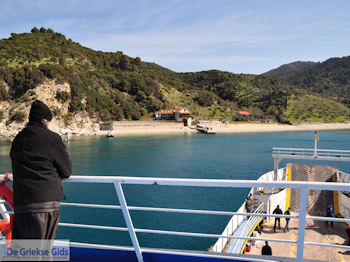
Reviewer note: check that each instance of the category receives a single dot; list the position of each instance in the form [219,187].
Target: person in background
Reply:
[348,232]
[39,163]
[266,250]
[249,203]
[329,212]
[261,225]
[248,247]
[277,211]
[286,228]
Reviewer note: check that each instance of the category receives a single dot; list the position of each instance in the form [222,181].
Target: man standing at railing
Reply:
[39,162]
[277,211]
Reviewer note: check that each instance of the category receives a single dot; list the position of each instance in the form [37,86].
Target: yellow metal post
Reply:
[335,196]
[289,178]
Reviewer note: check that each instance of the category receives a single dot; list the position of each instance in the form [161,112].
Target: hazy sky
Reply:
[239,36]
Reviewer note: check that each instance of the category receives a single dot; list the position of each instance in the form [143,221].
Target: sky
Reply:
[239,36]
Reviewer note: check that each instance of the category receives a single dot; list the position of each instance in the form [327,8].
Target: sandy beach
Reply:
[127,128]
[133,128]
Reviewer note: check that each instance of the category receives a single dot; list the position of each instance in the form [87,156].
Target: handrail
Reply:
[307,153]
[119,181]
[228,183]
[247,227]
[310,149]
[174,210]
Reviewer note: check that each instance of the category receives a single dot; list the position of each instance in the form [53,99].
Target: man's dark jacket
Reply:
[266,250]
[39,162]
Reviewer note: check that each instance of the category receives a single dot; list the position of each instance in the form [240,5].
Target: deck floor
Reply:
[316,231]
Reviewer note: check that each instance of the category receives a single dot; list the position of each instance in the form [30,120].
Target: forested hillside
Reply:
[113,86]
[288,71]
[330,79]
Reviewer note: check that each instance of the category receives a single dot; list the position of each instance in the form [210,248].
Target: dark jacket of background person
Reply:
[277,211]
[266,250]
[39,162]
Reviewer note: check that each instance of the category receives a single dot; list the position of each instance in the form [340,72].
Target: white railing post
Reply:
[231,226]
[276,161]
[128,221]
[301,225]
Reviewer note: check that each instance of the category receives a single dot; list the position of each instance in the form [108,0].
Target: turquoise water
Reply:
[224,156]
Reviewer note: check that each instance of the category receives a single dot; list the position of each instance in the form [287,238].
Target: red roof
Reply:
[178,109]
[244,113]
[164,112]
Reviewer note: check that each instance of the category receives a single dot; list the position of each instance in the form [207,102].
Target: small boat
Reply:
[110,134]
[66,136]
[205,129]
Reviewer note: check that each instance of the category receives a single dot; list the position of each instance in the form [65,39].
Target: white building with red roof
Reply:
[177,114]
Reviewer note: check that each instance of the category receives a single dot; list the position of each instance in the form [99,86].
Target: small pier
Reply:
[205,129]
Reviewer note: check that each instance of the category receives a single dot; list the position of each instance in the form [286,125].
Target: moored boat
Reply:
[205,129]
[110,134]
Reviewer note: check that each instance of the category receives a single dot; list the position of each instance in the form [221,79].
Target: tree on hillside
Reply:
[205,98]
[35,30]
[124,63]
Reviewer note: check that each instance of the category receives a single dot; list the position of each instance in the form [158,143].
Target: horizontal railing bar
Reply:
[93,226]
[290,153]
[318,157]
[90,205]
[295,154]
[167,232]
[89,245]
[326,245]
[309,149]
[177,210]
[206,182]
[328,219]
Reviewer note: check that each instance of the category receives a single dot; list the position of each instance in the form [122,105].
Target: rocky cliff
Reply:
[15,113]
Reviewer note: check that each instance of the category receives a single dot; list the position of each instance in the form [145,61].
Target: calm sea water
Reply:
[224,156]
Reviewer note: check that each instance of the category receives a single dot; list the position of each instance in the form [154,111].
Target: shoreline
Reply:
[224,128]
[134,128]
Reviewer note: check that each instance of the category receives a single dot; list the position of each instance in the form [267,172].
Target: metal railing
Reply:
[245,230]
[222,183]
[306,153]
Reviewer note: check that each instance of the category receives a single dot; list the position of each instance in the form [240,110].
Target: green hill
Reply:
[330,79]
[288,71]
[113,86]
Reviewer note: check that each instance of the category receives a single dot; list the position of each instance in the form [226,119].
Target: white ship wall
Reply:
[344,200]
[270,203]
